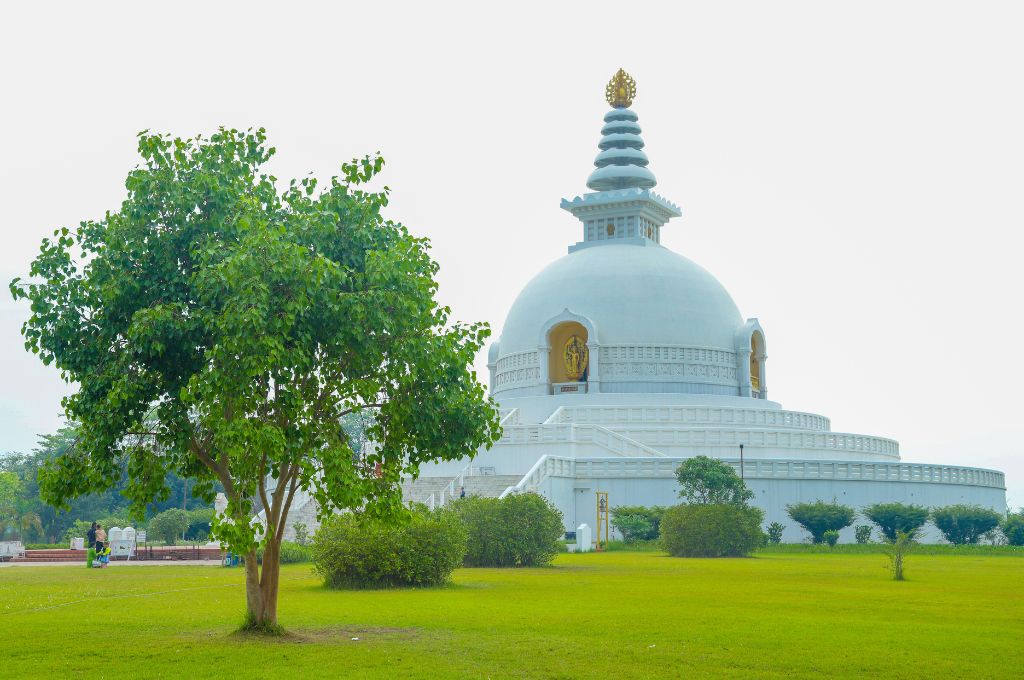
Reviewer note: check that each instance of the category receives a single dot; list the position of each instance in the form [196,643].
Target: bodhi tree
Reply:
[221,329]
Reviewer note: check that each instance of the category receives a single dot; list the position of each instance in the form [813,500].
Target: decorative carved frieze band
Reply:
[667,363]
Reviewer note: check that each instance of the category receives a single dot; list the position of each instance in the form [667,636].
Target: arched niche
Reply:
[751,354]
[569,358]
[552,337]
[757,357]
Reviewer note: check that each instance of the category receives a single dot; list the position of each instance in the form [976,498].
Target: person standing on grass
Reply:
[462,492]
[90,538]
[101,545]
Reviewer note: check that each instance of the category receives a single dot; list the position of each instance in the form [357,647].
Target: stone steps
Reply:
[488,486]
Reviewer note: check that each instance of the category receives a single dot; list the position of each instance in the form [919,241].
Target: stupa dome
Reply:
[621,313]
[633,295]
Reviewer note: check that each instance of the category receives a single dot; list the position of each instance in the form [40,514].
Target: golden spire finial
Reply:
[620,90]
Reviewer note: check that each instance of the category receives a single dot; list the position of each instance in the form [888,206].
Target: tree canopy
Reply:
[964,524]
[55,525]
[221,329]
[819,517]
[707,481]
[895,518]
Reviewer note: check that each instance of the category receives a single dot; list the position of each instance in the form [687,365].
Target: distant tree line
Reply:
[24,516]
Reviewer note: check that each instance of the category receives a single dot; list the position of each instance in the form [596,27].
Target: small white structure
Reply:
[11,549]
[122,541]
[584,539]
[78,543]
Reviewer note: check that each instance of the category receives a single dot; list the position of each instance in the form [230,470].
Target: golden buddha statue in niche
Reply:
[575,354]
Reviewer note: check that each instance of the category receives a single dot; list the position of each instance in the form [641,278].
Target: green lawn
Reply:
[611,615]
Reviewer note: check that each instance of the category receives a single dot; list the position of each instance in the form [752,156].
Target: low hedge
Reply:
[355,551]
[291,553]
[520,530]
[711,530]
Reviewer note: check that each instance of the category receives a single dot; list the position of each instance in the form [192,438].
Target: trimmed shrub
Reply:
[831,537]
[964,524]
[356,551]
[637,522]
[1013,527]
[893,518]
[819,517]
[520,530]
[168,526]
[862,532]
[635,546]
[774,533]
[711,530]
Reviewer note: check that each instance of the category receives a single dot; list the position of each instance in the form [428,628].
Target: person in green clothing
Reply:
[90,555]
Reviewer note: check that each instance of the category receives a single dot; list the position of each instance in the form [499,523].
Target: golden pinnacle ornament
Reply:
[620,90]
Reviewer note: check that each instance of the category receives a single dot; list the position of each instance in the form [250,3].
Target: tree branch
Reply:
[292,486]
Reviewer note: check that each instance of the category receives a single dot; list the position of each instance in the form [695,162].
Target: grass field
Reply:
[610,615]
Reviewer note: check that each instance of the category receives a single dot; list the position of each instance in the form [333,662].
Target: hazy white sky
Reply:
[851,172]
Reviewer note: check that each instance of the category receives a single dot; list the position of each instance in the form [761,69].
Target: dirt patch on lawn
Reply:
[330,635]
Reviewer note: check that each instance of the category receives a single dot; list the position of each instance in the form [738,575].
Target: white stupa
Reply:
[622,358]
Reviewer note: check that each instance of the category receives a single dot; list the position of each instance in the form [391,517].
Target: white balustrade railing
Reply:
[508,416]
[547,466]
[635,440]
[690,415]
[802,469]
[559,466]
[615,442]
[770,439]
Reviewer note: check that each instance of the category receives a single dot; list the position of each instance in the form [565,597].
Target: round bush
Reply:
[1013,528]
[520,530]
[711,530]
[354,551]
[964,524]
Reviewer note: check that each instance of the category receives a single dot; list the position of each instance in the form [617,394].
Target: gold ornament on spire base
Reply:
[620,90]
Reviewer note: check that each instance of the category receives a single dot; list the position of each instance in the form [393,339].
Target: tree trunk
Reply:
[261,587]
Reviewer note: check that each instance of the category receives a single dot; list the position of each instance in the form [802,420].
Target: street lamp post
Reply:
[741,462]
